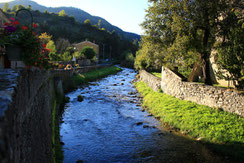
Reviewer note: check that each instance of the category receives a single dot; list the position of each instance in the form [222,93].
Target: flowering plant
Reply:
[34,53]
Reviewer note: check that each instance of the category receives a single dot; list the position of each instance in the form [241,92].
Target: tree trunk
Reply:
[206,70]
[205,58]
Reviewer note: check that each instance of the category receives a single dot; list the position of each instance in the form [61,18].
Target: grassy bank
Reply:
[222,130]
[56,113]
[79,79]
[94,75]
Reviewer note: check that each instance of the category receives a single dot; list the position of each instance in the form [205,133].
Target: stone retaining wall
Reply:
[27,101]
[26,123]
[226,99]
[152,81]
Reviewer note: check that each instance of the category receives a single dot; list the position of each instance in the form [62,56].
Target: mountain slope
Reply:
[78,14]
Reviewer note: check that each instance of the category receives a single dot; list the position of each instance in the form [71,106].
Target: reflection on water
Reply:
[110,126]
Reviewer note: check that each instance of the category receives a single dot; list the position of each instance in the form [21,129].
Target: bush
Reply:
[127,59]
[88,52]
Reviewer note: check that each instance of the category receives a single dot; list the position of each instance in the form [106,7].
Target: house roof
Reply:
[87,42]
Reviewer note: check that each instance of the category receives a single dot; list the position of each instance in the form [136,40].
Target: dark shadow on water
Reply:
[233,152]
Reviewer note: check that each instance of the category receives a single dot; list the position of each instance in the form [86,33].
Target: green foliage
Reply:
[87,22]
[230,56]
[127,59]
[62,13]
[88,52]
[61,45]
[198,121]
[79,55]
[46,12]
[178,33]
[45,38]
[65,31]
[52,54]
[150,55]
[156,74]
[17,7]
[94,75]
[6,7]
[66,56]
[51,46]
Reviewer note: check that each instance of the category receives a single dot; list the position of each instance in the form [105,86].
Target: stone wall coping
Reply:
[165,69]
[153,76]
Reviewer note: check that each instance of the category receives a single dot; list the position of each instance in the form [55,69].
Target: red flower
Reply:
[44,45]
[16,23]
[24,27]
[34,25]
[12,19]
[6,24]
[48,50]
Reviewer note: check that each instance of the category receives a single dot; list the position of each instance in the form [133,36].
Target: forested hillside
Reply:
[78,14]
[65,28]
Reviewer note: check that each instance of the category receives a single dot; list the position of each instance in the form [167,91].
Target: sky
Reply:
[125,14]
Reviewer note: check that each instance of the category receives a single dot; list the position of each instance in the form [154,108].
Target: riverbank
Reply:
[78,79]
[221,130]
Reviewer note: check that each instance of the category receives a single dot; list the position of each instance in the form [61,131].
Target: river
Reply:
[109,125]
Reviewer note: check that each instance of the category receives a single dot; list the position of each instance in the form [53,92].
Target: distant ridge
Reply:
[79,15]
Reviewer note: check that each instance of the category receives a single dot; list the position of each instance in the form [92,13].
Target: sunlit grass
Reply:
[83,78]
[156,74]
[94,75]
[211,125]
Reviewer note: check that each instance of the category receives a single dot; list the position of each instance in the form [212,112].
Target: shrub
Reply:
[88,52]
[127,59]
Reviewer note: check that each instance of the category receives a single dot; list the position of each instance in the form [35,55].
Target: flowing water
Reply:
[110,126]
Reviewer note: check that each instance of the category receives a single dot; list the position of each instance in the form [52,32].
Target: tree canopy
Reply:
[88,52]
[62,13]
[181,32]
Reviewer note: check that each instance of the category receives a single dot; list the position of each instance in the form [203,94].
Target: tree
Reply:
[99,23]
[6,7]
[61,45]
[183,28]
[29,7]
[230,49]
[45,38]
[88,52]
[87,22]
[46,12]
[62,13]
[52,54]
[18,7]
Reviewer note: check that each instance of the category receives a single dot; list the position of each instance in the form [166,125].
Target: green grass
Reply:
[79,79]
[57,148]
[94,75]
[156,74]
[223,132]
[198,121]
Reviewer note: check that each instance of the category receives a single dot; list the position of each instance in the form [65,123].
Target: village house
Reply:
[83,44]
